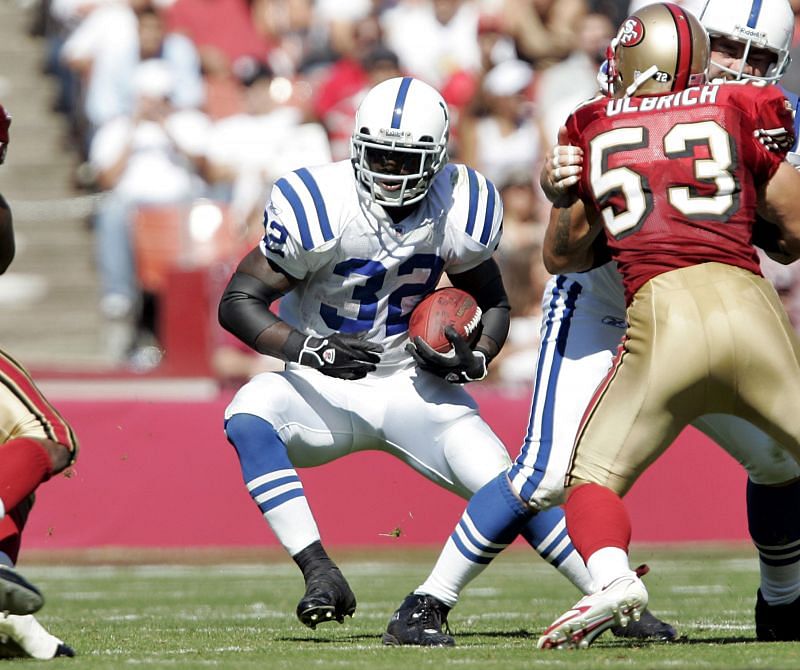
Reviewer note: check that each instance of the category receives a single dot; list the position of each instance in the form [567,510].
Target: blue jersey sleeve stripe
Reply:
[319,203]
[400,101]
[473,200]
[489,218]
[299,212]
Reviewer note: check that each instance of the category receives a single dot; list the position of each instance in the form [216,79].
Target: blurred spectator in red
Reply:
[225,94]
[226,25]
[434,39]
[345,78]
[504,138]
[343,91]
[286,25]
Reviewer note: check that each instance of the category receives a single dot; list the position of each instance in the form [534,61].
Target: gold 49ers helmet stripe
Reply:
[683,62]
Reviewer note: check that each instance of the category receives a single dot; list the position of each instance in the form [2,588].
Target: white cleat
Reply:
[614,605]
[24,636]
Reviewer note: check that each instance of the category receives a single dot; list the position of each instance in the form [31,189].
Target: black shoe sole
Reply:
[17,594]
[313,616]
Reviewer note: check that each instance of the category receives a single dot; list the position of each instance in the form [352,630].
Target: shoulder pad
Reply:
[298,202]
[481,200]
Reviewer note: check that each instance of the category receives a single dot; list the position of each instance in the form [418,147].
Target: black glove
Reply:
[462,365]
[339,355]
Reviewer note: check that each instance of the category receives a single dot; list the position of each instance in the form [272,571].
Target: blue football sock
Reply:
[546,532]
[272,481]
[492,520]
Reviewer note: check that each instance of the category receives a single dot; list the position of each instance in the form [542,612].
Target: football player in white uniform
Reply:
[351,247]
[584,319]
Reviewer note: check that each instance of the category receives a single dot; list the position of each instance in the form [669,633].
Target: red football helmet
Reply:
[5,122]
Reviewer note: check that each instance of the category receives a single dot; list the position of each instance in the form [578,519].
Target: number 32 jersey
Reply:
[359,271]
[675,177]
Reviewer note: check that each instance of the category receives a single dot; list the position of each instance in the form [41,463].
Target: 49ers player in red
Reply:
[674,173]
[35,443]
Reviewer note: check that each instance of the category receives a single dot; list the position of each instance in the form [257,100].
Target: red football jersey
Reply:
[675,176]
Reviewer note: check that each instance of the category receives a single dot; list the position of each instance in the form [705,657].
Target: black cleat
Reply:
[777,623]
[17,594]
[418,621]
[648,627]
[328,598]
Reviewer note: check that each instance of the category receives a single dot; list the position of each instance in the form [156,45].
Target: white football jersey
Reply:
[360,272]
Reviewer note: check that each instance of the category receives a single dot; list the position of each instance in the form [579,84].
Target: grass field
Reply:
[235,610]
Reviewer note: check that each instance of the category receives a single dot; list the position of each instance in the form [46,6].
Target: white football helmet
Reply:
[762,24]
[399,143]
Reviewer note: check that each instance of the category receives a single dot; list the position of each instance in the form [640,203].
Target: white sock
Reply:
[607,564]
[293,524]
[450,575]
[780,584]
[574,569]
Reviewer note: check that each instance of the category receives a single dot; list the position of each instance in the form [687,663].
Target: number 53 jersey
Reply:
[675,177]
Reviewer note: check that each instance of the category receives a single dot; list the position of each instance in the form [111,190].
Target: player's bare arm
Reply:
[569,239]
[778,203]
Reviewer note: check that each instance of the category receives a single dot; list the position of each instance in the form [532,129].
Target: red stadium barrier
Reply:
[161,474]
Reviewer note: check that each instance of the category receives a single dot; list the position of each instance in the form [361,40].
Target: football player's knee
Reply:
[60,456]
[547,497]
[476,464]
[774,467]
[257,443]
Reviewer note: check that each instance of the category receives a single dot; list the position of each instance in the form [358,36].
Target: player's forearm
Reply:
[568,241]
[244,311]
[779,203]
[485,284]
[495,323]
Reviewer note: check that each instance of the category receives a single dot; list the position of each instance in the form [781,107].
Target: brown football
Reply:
[443,307]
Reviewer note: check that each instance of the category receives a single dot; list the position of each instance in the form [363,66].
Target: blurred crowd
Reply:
[183,112]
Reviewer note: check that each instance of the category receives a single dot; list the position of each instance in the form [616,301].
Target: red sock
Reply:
[597,518]
[24,464]
[11,526]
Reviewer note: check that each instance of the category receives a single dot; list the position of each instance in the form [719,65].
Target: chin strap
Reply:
[641,79]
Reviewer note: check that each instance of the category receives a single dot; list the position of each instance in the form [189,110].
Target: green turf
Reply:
[233,612]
